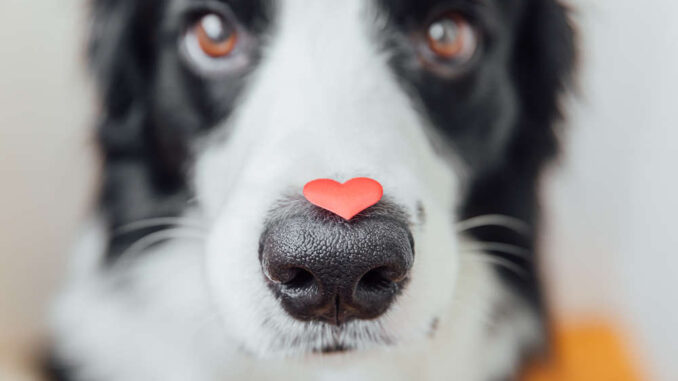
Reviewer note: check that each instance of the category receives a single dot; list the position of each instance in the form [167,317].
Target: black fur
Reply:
[146,126]
[541,64]
[500,116]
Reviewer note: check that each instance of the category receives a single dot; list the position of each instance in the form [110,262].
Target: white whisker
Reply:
[501,247]
[159,236]
[494,220]
[158,221]
[493,260]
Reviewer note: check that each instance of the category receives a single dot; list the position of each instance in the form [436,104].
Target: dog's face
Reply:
[244,102]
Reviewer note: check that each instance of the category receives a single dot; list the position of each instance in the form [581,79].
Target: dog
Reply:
[204,259]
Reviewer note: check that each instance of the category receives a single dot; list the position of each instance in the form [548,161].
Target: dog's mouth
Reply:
[327,339]
[323,339]
[328,350]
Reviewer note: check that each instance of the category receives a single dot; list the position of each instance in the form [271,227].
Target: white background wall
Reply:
[46,166]
[611,203]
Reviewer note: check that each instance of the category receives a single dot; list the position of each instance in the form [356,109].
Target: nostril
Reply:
[298,279]
[376,280]
[375,291]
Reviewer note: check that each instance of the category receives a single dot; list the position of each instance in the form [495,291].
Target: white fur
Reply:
[323,103]
[153,320]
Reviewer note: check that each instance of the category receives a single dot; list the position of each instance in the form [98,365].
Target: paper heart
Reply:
[345,200]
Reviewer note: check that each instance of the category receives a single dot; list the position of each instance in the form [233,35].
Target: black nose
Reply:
[322,267]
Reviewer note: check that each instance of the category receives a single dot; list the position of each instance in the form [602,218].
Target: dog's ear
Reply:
[543,65]
[121,55]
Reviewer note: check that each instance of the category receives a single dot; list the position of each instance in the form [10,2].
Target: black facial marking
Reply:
[498,113]
[475,109]
[155,106]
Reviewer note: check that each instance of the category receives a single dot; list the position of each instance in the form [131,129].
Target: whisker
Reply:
[494,220]
[157,237]
[498,261]
[157,221]
[193,200]
[501,247]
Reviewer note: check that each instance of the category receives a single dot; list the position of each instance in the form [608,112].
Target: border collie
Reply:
[204,260]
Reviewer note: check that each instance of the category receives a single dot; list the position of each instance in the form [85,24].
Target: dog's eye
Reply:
[215,44]
[451,38]
[215,36]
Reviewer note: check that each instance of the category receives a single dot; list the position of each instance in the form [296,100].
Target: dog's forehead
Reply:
[269,11]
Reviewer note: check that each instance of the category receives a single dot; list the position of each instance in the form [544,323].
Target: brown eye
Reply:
[451,37]
[216,37]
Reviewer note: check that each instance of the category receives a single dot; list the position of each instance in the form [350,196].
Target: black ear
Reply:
[121,55]
[543,66]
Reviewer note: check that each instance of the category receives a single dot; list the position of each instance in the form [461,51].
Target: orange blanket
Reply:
[586,352]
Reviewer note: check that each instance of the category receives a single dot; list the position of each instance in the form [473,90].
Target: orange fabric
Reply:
[586,352]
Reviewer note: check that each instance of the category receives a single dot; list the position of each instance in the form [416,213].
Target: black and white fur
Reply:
[166,282]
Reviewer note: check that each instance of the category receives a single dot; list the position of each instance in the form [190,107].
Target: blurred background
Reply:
[610,202]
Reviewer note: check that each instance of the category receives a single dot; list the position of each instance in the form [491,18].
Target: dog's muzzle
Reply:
[324,268]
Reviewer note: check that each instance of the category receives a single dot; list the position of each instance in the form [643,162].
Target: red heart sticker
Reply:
[345,200]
